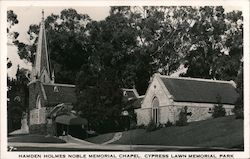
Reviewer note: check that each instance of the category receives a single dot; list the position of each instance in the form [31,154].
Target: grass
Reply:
[224,132]
[101,138]
[35,139]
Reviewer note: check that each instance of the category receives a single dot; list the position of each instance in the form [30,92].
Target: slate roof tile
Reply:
[200,91]
[65,94]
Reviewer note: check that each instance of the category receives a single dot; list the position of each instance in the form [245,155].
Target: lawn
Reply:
[35,139]
[101,138]
[224,132]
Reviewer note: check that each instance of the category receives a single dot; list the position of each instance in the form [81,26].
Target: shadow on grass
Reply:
[35,139]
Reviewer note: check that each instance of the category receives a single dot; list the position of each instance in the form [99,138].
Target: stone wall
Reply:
[44,125]
[201,113]
[143,116]
[35,89]
[167,114]
[38,129]
[156,89]
[198,113]
[38,116]
[171,113]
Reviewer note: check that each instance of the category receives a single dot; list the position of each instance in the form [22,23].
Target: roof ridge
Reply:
[131,89]
[198,79]
[128,89]
[141,96]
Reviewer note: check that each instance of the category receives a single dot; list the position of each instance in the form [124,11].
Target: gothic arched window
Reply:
[155,110]
[38,107]
[38,102]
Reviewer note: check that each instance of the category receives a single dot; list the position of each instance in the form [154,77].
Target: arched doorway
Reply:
[155,110]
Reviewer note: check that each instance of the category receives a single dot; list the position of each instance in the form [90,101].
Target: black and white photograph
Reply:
[126,78]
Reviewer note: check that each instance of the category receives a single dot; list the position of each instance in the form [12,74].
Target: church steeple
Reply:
[41,67]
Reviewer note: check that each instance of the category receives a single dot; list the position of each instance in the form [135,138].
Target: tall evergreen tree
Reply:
[18,99]
[66,37]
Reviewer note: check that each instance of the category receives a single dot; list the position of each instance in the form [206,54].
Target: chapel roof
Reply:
[59,93]
[135,103]
[200,90]
[132,97]
[130,93]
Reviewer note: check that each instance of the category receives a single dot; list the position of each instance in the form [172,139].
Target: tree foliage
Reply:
[139,41]
[239,106]
[212,53]
[66,38]
[17,96]
[11,21]
[12,35]
[126,48]
[100,79]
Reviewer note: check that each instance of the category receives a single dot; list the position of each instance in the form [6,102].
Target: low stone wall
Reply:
[38,129]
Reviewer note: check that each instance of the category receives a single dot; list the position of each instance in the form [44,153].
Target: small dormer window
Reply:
[56,89]
[124,93]
[210,110]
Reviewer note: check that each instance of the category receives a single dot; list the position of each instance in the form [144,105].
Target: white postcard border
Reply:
[3,71]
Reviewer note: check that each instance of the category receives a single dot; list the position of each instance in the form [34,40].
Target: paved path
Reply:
[70,139]
[116,137]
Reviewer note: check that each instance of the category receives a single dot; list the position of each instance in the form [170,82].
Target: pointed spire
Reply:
[41,65]
[43,15]
[18,72]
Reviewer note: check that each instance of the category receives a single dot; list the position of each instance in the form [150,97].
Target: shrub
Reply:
[151,126]
[182,118]
[160,126]
[168,124]
[219,111]
[238,111]
[133,126]
[142,126]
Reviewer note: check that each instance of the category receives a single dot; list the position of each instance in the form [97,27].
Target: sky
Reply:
[32,15]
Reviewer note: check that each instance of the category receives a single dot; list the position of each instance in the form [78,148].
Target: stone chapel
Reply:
[44,92]
[167,96]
